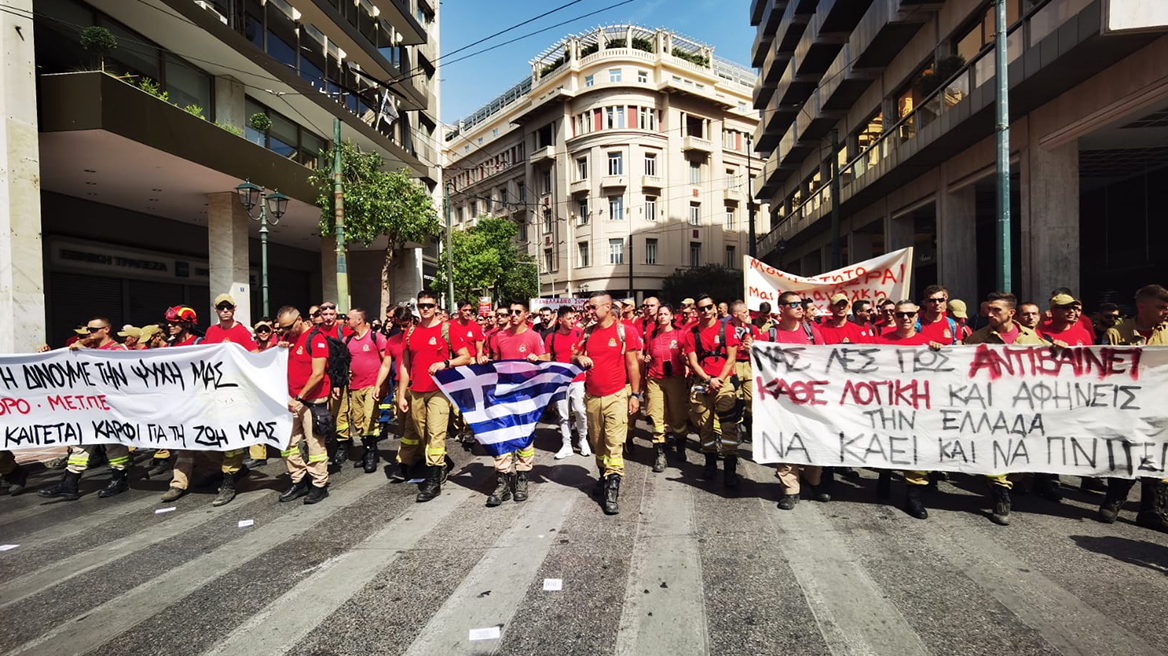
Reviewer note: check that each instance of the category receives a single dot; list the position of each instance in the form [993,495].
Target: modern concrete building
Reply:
[120,170]
[909,88]
[622,157]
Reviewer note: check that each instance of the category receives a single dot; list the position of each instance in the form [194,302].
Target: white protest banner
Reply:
[886,276]
[1087,411]
[215,397]
[536,304]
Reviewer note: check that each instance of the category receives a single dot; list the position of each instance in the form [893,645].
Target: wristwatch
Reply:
[446,363]
[637,396]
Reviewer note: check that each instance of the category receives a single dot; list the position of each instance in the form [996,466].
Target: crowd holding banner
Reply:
[823,374]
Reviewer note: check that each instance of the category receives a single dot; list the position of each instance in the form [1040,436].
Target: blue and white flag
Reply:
[502,401]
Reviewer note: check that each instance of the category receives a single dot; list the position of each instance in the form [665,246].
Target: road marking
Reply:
[508,570]
[89,520]
[105,622]
[657,619]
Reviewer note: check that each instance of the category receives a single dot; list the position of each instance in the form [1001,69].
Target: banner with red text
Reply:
[887,276]
[215,397]
[1087,411]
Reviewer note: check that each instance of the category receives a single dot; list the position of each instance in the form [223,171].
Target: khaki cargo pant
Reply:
[317,465]
[608,421]
[523,459]
[356,415]
[117,455]
[184,464]
[788,475]
[667,400]
[430,413]
[708,409]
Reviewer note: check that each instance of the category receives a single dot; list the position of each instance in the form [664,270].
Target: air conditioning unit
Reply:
[207,6]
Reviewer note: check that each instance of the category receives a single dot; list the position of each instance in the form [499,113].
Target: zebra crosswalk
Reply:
[685,569]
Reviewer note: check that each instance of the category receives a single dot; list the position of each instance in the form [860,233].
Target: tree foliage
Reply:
[486,260]
[377,203]
[722,284]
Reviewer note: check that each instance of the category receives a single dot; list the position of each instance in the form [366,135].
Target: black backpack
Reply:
[339,359]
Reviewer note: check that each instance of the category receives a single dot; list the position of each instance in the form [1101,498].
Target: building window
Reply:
[642,76]
[581,168]
[650,251]
[729,218]
[651,164]
[582,254]
[474,208]
[695,254]
[731,179]
[547,181]
[461,213]
[548,261]
[695,173]
[582,212]
[522,192]
[650,208]
[547,222]
[590,81]
[620,117]
[522,224]
[695,211]
[616,164]
[614,75]
[616,208]
[731,257]
[495,132]
[648,118]
[616,251]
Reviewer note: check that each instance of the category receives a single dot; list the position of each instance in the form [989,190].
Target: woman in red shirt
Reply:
[263,334]
[668,398]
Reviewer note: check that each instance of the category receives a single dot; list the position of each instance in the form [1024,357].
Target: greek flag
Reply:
[502,401]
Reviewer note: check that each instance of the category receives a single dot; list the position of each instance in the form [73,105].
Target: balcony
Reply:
[795,18]
[614,182]
[884,29]
[652,182]
[772,14]
[579,187]
[690,142]
[733,194]
[540,155]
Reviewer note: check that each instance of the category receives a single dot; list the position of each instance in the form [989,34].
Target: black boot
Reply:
[159,467]
[1117,491]
[447,467]
[914,505]
[340,454]
[118,483]
[315,494]
[502,490]
[611,494]
[710,471]
[848,472]
[432,486]
[680,444]
[788,501]
[937,476]
[730,472]
[296,491]
[1047,487]
[16,480]
[1091,484]
[227,488]
[399,473]
[66,489]
[1152,502]
[1001,500]
[369,458]
[822,492]
[519,482]
[884,485]
[658,458]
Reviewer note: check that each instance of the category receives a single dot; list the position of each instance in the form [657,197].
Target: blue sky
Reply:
[469,84]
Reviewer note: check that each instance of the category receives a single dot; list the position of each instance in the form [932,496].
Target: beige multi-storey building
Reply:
[622,158]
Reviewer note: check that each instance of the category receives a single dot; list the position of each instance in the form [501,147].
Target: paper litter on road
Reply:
[416,480]
[165,510]
[553,585]
[244,523]
[489,633]
[8,547]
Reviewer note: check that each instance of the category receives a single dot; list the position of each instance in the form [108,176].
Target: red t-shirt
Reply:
[665,347]
[609,373]
[711,338]
[270,344]
[471,333]
[1010,336]
[506,345]
[1075,335]
[113,346]
[1084,322]
[849,333]
[426,347]
[937,331]
[918,339]
[338,331]
[300,366]
[365,359]
[238,334]
[393,350]
[561,347]
[740,333]
[190,341]
[798,336]
[648,328]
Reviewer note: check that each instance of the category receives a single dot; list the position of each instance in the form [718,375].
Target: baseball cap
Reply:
[81,329]
[957,308]
[223,298]
[148,332]
[130,331]
[262,324]
[840,296]
[687,301]
[1063,300]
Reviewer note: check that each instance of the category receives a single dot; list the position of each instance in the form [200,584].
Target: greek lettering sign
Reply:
[214,398]
[986,409]
[886,276]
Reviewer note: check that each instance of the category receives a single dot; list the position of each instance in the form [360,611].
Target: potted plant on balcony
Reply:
[945,68]
[260,122]
[100,41]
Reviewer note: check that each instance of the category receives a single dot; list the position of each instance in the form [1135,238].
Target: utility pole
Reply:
[1005,272]
[449,258]
[752,246]
[632,293]
[835,202]
[339,215]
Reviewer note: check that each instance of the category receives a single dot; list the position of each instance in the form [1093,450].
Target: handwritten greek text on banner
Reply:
[215,397]
[1089,411]
[887,276]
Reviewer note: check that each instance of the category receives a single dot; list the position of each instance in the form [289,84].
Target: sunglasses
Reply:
[316,314]
[503,313]
[93,329]
[934,300]
[905,315]
[703,308]
[264,329]
[224,307]
[792,304]
[427,306]
[283,329]
[328,306]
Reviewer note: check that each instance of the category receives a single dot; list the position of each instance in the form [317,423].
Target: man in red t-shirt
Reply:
[747,333]
[429,347]
[837,329]
[329,324]
[355,417]
[475,340]
[518,341]
[647,324]
[402,320]
[558,347]
[308,387]
[228,329]
[610,353]
[711,348]
[1084,321]
[1064,328]
[934,321]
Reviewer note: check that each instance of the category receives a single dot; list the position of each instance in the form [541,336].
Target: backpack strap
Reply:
[446,337]
[953,329]
[772,332]
[810,333]
[308,344]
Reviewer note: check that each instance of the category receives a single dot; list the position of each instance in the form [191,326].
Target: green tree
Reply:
[377,203]
[486,259]
[722,284]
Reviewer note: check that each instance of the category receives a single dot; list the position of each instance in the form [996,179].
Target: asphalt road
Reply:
[684,569]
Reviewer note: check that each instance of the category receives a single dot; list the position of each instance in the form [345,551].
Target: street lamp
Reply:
[275,204]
